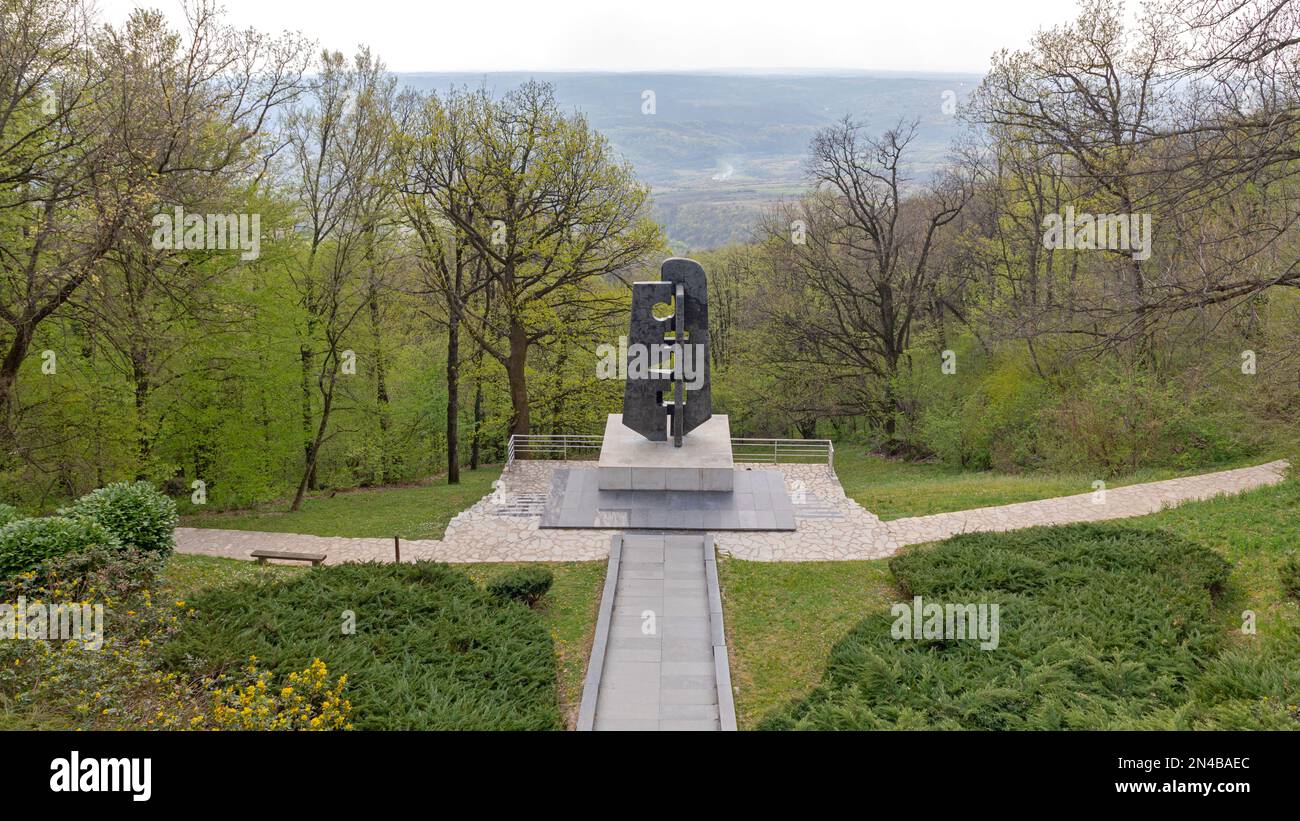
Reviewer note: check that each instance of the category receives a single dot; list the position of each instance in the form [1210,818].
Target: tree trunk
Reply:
[9,366]
[453,397]
[475,442]
[517,376]
[140,375]
[313,449]
[381,387]
[309,457]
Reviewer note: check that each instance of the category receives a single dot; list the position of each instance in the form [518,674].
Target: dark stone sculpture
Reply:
[661,400]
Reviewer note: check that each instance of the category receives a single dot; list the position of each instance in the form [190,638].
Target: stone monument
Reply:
[665,461]
[660,402]
[667,394]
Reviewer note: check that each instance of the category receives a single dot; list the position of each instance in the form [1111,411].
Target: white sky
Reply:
[678,35]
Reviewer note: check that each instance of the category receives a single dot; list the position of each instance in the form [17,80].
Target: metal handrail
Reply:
[550,445]
[776,451]
[744,450]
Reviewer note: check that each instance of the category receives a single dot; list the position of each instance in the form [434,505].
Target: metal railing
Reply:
[747,451]
[783,451]
[553,446]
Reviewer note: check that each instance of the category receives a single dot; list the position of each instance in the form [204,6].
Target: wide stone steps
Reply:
[521,504]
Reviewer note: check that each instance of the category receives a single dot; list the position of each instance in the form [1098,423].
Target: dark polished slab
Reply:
[759,502]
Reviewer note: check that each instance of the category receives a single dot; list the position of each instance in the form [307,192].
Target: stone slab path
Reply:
[1113,503]
[659,658]
[831,526]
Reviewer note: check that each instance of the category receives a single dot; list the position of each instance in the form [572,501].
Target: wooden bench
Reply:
[263,555]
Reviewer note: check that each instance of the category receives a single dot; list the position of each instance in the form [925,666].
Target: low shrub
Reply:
[8,513]
[109,679]
[428,649]
[525,584]
[1100,627]
[107,572]
[26,543]
[136,513]
[1289,573]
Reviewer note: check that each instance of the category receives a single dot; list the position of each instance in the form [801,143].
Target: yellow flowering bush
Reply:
[67,683]
[304,701]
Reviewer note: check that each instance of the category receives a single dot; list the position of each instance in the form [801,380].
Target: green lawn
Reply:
[568,610]
[184,575]
[412,512]
[894,489]
[783,619]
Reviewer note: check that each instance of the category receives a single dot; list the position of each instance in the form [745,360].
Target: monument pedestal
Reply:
[629,461]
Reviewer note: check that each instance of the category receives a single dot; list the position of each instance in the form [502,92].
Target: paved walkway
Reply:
[1112,503]
[831,526]
[659,654]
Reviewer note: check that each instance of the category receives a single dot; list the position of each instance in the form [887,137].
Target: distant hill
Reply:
[719,147]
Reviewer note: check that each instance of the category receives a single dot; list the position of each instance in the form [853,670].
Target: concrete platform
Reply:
[629,461]
[759,502]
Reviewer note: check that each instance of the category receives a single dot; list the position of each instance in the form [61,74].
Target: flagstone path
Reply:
[831,526]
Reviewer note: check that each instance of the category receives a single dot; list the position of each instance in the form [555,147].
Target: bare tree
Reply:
[856,260]
[1189,116]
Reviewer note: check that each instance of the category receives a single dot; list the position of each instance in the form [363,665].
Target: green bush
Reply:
[526,584]
[1100,627]
[1119,421]
[8,513]
[431,650]
[137,514]
[26,543]
[1289,572]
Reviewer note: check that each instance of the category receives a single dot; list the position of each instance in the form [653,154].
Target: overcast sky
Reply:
[678,35]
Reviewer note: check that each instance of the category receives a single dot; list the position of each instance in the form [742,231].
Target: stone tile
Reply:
[683,479]
[615,478]
[687,725]
[628,724]
[688,712]
[644,478]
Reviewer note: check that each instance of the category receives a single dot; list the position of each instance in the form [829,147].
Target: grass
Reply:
[185,576]
[568,611]
[894,489]
[412,512]
[784,619]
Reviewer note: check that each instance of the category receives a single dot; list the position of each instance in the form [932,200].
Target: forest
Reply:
[237,265]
